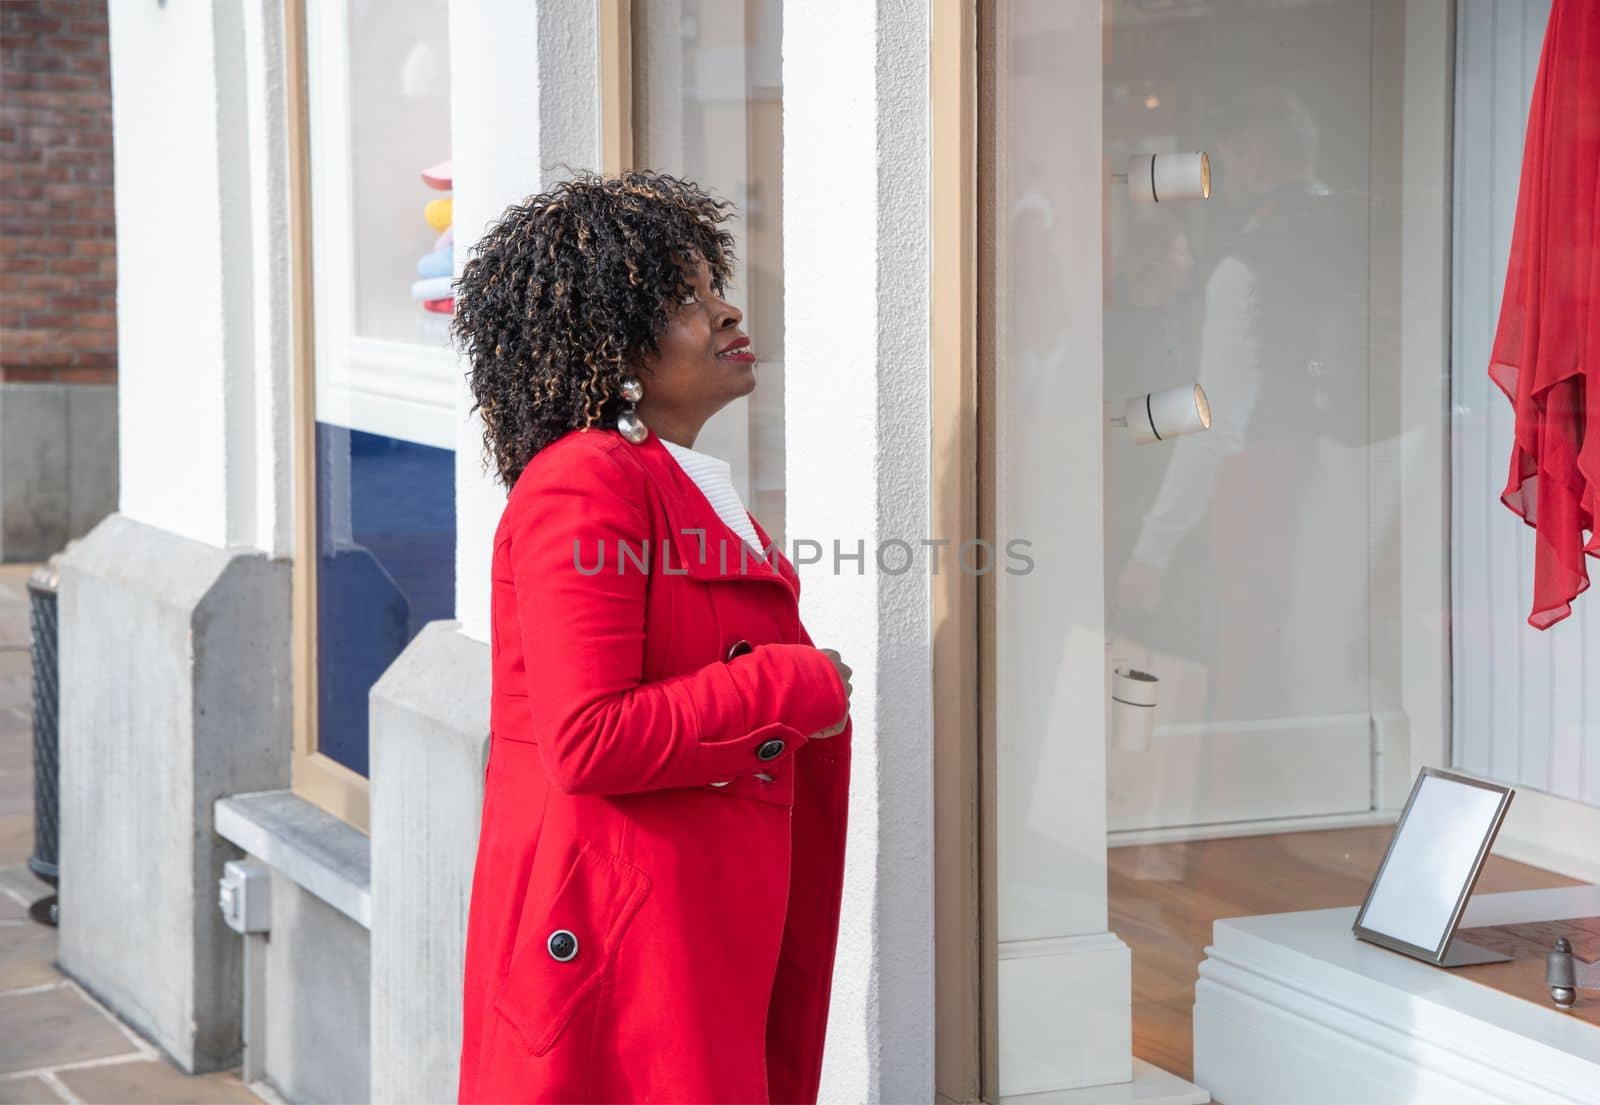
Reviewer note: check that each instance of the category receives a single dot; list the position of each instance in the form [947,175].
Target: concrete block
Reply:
[316,850]
[429,736]
[58,465]
[33,470]
[175,691]
[317,1037]
[318,1028]
[92,472]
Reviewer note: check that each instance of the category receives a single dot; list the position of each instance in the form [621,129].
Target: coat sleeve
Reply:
[600,729]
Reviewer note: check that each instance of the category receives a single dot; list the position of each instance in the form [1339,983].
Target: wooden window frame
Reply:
[964,1033]
[315,776]
[616,31]
[399,387]
[346,376]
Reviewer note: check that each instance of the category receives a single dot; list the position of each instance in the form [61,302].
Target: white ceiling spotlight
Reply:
[1161,415]
[1165,177]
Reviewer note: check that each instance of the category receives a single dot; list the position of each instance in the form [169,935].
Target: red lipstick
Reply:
[738,350]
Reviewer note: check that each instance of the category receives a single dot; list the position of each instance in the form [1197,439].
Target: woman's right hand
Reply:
[844,674]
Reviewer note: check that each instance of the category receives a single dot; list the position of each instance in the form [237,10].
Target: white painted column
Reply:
[268,511]
[856,270]
[189,567]
[201,221]
[524,98]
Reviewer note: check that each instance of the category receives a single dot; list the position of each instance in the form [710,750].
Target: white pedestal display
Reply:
[1292,1007]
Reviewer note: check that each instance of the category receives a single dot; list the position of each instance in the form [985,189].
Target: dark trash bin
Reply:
[42,616]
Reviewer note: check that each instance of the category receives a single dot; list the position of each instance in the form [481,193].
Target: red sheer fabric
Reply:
[1549,328]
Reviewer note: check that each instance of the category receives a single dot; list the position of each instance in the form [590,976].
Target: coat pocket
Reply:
[564,948]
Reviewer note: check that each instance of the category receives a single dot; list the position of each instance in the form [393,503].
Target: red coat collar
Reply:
[699,535]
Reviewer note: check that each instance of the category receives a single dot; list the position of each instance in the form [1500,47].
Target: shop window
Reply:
[1318,590]
[383,377]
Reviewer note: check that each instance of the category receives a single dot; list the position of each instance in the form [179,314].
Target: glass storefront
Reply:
[1321,590]
[383,241]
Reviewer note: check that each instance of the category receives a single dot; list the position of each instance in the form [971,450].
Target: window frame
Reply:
[316,777]
[617,150]
[965,1028]
[402,389]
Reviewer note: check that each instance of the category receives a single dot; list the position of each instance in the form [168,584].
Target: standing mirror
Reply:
[1432,863]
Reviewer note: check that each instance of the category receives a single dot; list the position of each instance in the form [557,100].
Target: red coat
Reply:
[638,932]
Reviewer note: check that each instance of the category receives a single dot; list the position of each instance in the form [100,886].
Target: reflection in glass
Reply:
[708,105]
[399,126]
[1248,567]
[1238,559]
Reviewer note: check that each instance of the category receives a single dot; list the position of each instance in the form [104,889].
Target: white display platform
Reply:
[1292,1009]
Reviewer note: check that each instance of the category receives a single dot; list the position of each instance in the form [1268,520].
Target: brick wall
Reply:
[58,273]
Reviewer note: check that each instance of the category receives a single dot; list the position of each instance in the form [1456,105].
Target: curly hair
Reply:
[567,290]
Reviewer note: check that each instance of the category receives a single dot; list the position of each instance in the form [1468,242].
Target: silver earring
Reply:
[629,425]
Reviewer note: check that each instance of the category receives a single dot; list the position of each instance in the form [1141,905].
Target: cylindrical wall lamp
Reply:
[1166,414]
[1133,708]
[1164,177]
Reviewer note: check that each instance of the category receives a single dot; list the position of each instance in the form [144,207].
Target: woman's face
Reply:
[703,362]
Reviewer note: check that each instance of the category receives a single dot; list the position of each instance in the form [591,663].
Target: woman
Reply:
[661,854]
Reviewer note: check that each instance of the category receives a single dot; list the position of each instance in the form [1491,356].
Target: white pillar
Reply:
[200,222]
[189,570]
[268,507]
[856,271]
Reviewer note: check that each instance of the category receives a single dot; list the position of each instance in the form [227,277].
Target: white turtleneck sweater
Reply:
[714,477]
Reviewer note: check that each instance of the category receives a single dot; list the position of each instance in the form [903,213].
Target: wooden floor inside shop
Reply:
[1164,898]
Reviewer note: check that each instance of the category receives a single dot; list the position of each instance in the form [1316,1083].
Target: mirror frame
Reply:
[1435,955]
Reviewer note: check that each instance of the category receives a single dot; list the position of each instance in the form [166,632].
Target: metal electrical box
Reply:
[245,895]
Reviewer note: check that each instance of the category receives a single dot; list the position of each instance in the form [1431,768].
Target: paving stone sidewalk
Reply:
[57,1044]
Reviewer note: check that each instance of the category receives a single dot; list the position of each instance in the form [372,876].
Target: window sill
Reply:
[307,845]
